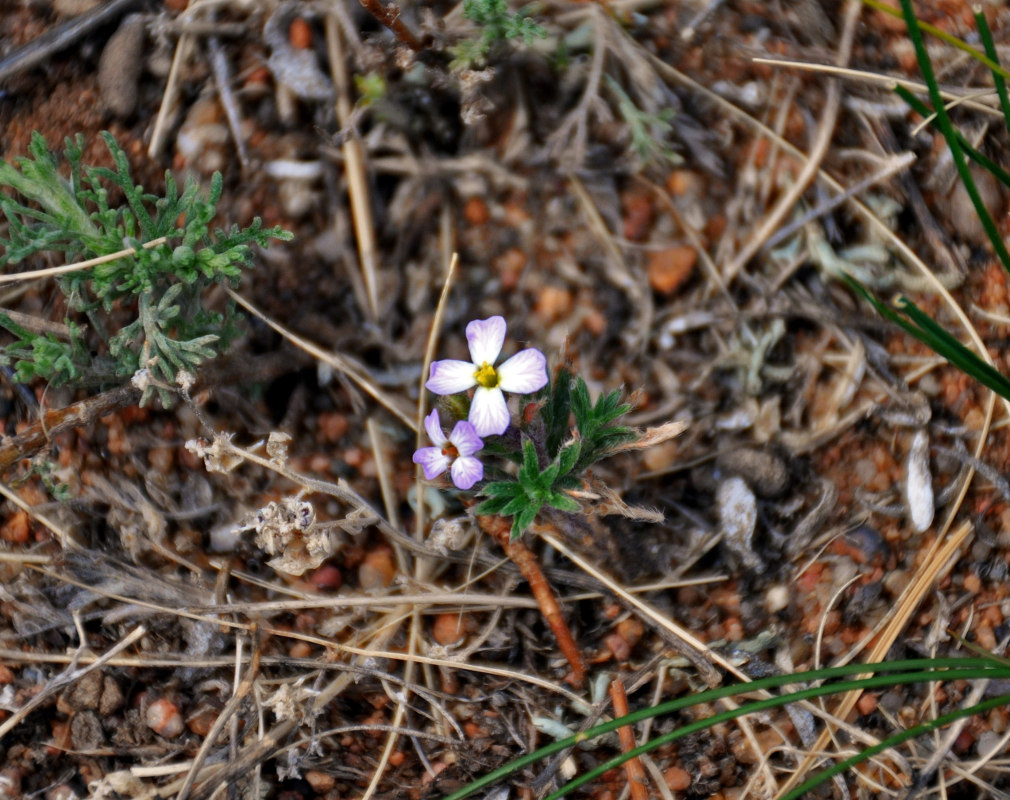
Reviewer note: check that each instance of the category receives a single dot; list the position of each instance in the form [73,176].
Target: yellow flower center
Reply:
[487,376]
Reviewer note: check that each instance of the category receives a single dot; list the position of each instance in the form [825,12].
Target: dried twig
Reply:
[28,443]
[61,37]
[389,16]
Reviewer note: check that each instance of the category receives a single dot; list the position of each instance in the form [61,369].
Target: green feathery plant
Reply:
[497,25]
[565,456]
[161,288]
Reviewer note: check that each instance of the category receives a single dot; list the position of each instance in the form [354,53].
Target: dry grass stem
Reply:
[341,363]
[811,165]
[354,162]
[69,676]
[48,272]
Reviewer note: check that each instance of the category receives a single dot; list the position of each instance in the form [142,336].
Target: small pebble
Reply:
[777,598]
[16,529]
[669,268]
[300,34]
[327,578]
[377,570]
[320,781]
[119,67]
[202,720]
[475,211]
[163,718]
[867,703]
[987,743]
[631,630]
[618,647]
[449,629]
[677,779]
[553,303]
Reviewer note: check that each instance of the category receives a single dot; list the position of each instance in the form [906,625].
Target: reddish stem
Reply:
[389,16]
[499,529]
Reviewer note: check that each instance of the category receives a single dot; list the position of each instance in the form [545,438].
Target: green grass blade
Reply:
[877,681]
[979,158]
[946,127]
[998,79]
[913,321]
[932,669]
[953,41]
[894,741]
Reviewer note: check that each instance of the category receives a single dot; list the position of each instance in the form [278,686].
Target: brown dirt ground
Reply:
[619,259]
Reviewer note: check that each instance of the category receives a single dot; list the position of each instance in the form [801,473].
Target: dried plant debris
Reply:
[288,531]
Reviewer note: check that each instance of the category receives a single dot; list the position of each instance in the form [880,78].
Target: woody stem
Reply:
[499,529]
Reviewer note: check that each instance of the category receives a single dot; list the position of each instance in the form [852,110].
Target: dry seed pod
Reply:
[919,483]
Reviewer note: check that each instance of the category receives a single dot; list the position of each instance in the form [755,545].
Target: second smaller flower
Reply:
[454,452]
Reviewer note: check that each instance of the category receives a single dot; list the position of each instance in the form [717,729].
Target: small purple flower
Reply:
[457,450]
[523,373]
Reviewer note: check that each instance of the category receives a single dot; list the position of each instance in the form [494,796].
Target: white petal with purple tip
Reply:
[465,439]
[450,376]
[432,461]
[434,428]
[485,337]
[524,373]
[489,413]
[466,471]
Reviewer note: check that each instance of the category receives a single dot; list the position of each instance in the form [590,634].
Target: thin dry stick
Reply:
[68,538]
[499,529]
[632,767]
[354,163]
[28,443]
[352,371]
[429,356]
[222,78]
[68,677]
[226,713]
[960,96]
[825,129]
[162,123]
[937,563]
[80,265]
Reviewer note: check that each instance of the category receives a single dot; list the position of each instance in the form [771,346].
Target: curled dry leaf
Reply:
[653,436]
[277,446]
